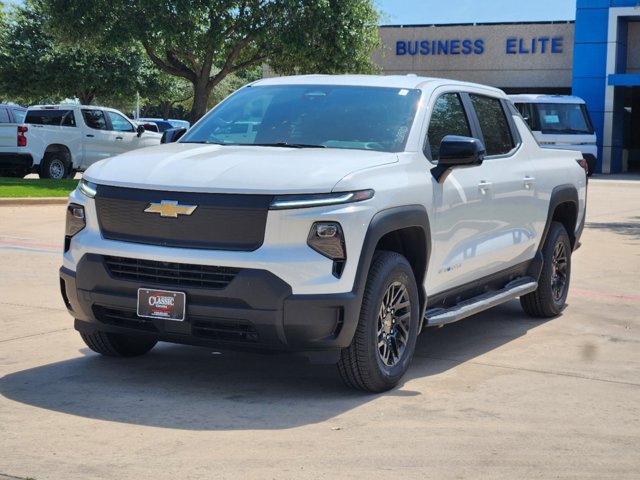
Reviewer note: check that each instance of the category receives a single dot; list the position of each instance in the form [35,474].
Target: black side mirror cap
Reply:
[457,152]
[172,135]
[140,130]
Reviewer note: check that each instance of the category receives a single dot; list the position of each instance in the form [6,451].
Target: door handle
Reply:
[118,138]
[484,187]
[528,181]
[90,135]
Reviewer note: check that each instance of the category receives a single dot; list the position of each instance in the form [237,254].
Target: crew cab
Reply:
[354,212]
[58,140]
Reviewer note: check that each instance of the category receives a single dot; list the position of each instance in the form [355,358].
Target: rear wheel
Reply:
[117,344]
[384,342]
[54,166]
[553,286]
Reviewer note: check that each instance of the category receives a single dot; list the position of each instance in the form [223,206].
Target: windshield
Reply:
[566,118]
[306,116]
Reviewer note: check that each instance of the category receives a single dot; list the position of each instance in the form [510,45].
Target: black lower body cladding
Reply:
[251,310]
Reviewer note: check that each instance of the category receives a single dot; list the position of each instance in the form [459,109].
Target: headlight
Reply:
[327,239]
[89,189]
[319,200]
[74,223]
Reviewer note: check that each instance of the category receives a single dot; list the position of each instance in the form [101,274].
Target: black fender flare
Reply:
[387,221]
[565,193]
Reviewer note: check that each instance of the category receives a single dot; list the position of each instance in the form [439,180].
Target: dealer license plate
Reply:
[163,304]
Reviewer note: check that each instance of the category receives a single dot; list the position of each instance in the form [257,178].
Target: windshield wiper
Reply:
[287,145]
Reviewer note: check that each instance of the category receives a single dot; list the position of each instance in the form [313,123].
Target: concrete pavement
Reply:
[498,395]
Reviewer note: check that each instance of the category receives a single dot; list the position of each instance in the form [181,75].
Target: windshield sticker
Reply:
[404,92]
[551,119]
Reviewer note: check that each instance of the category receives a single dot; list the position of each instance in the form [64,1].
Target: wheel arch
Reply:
[563,208]
[405,230]
[61,149]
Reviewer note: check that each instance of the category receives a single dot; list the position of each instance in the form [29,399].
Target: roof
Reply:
[542,98]
[390,81]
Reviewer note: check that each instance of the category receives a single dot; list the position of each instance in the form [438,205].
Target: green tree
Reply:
[204,41]
[35,66]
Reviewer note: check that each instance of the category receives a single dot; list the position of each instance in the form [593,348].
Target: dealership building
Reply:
[597,57]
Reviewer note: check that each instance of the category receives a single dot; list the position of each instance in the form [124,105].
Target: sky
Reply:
[427,12]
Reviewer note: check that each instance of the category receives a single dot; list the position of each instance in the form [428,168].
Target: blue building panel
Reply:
[590,60]
[622,3]
[592,25]
[593,4]
[591,89]
[624,80]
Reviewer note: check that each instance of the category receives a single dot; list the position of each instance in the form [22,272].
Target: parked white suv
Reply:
[358,210]
[560,121]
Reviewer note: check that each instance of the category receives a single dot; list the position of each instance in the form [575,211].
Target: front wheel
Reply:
[385,339]
[117,344]
[553,286]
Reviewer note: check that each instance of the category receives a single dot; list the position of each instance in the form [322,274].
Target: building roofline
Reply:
[548,22]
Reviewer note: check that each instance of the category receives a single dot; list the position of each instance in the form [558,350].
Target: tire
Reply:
[381,351]
[553,285]
[117,344]
[54,166]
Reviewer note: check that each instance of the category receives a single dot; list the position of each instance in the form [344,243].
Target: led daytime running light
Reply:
[308,201]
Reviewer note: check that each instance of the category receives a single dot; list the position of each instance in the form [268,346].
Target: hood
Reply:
[233,169]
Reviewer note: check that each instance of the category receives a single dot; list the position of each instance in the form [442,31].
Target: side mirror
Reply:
[172,135]
[456,152]
[140,130]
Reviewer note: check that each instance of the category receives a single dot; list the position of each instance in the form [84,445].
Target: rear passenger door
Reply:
[98,139]
[478,211]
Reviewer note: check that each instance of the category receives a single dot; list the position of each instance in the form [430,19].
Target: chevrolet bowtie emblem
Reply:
[170,208]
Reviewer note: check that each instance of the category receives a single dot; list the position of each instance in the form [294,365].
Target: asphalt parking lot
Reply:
[498,395]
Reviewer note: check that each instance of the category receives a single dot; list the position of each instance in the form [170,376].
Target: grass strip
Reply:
[35,187]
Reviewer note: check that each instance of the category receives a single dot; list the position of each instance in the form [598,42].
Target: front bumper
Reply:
[254,311]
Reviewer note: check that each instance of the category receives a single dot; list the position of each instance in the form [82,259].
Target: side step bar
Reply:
[515,288]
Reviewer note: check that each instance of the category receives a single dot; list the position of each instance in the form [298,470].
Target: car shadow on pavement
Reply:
[631,229]
[192,388]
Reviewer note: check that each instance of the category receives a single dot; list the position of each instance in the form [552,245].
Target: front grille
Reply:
[152,272]
[218,222]
[123,318]
[227,330]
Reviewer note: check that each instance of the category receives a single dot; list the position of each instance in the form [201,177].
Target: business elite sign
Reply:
[477,46]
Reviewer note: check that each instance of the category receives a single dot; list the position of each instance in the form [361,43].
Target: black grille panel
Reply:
[123,318]
[170,274]
[219,221]
[231,331]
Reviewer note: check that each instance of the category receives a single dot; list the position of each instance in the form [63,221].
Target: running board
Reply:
[441,316]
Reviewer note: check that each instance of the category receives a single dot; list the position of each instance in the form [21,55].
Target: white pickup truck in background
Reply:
[58,140]
[12,160]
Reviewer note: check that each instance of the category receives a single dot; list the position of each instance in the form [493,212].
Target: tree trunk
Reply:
[165,109]
[201,91]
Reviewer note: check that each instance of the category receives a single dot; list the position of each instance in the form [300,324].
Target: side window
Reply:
[447,118]
[95,119]
[19,113]
[4,115]
[53,117]
[119,123]
[493,123]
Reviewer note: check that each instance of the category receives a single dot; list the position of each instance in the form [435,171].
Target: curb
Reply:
[26,201]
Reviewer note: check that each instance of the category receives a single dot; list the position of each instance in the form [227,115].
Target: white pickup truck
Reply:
[58,140]
[356,211]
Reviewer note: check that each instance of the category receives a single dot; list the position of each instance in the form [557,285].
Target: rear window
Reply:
[64,118]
